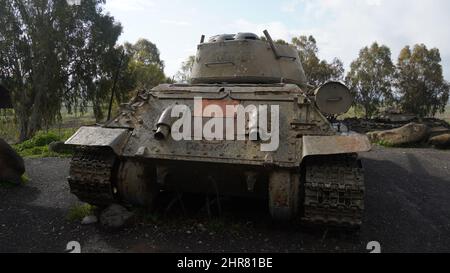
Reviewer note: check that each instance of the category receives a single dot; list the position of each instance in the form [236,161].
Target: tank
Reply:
[248,125]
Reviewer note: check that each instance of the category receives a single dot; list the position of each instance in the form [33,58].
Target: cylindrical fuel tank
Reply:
[333,98]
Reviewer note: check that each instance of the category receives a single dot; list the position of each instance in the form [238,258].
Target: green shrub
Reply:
[384,143]
[388,144]
[37,147]
[43,139]
[6,184]
[9,184]
[36,150]
[77,213]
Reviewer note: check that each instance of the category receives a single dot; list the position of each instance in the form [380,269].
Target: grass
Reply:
[6,184]
[8,128]
[387,144]
[200,222]
[354,112]
[384,143]
[157,217]
[77,213]
[38,146]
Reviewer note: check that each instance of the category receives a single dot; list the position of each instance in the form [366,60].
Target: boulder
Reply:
[437,131]
[12,166]
[398,117]
[116,217]
[441,141]
[89,220]
[408,134]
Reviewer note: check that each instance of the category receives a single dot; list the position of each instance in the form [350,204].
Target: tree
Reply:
[54,54]
[145,65]
[184,74]
[317,71]
[371,77]
[145,52]
[420,81]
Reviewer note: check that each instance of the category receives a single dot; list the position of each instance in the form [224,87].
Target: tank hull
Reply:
[144,156]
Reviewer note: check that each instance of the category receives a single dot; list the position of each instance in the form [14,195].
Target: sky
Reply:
[341,27]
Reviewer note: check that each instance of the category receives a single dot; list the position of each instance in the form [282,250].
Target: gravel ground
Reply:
[407,210]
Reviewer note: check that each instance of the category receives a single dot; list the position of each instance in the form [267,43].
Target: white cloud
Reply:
[277,29]
[129,5]
[343,27]
[175,22]
[290,6]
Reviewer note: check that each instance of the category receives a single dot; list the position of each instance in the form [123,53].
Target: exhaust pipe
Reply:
[164,124]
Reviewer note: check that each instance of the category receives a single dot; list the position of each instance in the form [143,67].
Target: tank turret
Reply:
[245,58]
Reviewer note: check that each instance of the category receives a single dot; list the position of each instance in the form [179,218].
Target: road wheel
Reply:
[284,194]
[136,183]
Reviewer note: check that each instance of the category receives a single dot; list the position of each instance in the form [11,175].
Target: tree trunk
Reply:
[27,127]
[367,111]
[29,118]
[23,128]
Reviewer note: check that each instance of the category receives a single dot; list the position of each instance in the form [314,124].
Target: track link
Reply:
[334,192]
[90,179]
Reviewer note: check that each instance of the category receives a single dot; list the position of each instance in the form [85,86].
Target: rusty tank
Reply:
[212,136]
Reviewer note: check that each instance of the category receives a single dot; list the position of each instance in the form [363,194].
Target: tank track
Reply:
[334,192]
[91,172]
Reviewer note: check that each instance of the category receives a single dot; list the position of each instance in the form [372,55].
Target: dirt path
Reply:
[407,210]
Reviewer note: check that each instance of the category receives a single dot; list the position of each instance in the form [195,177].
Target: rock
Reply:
[59,147]
[392,117]
[441,141]
[12,166]
[363,126]
[116,217]
[89,220]
[437,131]
[201,227]
[408,134]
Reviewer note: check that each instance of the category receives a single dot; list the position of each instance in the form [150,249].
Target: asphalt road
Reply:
[407,210]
